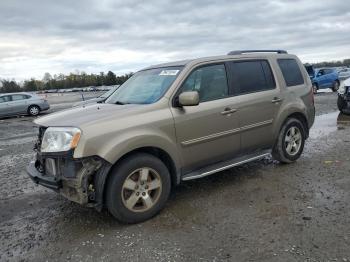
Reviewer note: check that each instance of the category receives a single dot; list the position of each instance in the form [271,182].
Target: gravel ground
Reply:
[262,211]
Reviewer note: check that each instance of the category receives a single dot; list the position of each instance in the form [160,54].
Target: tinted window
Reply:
[209,81]
[18,97]
[291,72]
[4,99]
[252,76]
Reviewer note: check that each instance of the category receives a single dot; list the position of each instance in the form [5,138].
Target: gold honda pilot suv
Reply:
[175,122]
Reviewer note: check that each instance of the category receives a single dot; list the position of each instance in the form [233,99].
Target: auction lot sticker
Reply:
[169,72]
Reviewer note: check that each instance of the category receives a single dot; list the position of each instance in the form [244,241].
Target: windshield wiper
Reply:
[120,103]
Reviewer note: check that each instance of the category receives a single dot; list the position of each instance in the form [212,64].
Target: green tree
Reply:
[110,79]
[9,86]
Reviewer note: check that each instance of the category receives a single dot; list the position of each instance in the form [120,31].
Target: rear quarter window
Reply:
[291,72]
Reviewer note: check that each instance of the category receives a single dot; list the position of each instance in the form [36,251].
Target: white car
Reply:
[344,74]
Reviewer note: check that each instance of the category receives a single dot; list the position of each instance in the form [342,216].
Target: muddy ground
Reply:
[262,211]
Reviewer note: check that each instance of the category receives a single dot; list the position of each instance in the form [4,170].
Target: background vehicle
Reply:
[98,99]
[22,103]
[325,78]
[344,74]
[344,97]
[175,122]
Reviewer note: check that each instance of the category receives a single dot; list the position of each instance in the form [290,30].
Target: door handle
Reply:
[228,111]
[276,100]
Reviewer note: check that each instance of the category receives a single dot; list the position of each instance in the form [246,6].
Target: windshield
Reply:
[145,87]
[109,92]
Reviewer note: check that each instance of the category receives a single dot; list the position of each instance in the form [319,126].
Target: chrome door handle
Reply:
[276,100]
[228,111]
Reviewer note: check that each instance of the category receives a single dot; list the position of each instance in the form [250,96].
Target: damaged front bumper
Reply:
[79,180]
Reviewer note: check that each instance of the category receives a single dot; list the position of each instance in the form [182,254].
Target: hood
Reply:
[83,115]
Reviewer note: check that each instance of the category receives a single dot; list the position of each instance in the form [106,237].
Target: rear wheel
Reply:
[33,110]
[290,142]
[138,188]
[314,88]
[335,86]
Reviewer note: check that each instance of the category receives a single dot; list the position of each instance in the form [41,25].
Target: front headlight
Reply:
[59,139]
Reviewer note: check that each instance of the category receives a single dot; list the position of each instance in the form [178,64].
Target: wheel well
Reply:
[159,153]
[303,120]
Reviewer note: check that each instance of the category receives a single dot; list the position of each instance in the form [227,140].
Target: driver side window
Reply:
[209,81]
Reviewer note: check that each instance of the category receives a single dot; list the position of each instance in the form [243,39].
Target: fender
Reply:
[285,111]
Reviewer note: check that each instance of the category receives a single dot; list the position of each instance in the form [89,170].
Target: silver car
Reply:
[22,104]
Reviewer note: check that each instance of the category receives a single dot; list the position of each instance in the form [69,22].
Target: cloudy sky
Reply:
[92,36]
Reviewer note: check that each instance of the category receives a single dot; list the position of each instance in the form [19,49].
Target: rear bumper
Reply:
[44,107]
[40,179]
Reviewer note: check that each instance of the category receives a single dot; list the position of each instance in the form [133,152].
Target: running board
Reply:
[206,171]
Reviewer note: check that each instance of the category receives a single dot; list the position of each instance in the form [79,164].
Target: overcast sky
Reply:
[62,36]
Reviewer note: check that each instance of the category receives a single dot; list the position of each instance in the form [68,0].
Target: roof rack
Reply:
[240,52]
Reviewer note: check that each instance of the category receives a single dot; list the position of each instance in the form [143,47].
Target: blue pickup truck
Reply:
[322,78]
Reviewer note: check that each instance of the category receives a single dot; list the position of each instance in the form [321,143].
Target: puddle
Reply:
[328,123]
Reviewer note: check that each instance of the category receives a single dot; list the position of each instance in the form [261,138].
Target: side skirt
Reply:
[208,170]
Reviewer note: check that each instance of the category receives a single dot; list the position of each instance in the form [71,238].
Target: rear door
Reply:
[209,132]
[18,103]
[259,101]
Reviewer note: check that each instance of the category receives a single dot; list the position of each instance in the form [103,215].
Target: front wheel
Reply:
[138,188]
[290,142]
[314,88]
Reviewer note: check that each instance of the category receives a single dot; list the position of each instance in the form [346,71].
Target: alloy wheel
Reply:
[141,189]
[293,140]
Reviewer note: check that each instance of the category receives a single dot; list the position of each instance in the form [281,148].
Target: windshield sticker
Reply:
[169,72]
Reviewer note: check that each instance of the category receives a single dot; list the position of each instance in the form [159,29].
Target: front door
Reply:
[207,133]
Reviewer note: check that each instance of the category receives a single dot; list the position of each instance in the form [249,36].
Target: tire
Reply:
[129,197]
[335,86]
[33,110]
[285,151]
[341,103]
[314,88]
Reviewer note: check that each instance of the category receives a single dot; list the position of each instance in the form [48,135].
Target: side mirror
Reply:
[189,98]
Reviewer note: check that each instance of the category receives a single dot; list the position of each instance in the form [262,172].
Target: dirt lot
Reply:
[263,211]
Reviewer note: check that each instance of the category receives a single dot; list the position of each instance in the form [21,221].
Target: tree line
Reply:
[61,81]
[345,62]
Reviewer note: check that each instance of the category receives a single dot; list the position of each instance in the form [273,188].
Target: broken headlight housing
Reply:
[60,139]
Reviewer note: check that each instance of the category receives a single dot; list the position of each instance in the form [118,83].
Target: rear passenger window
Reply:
[18,97]
[252,76]
[291,72]
[209,81]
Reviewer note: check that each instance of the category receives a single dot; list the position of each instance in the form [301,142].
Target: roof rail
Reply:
[240,52]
